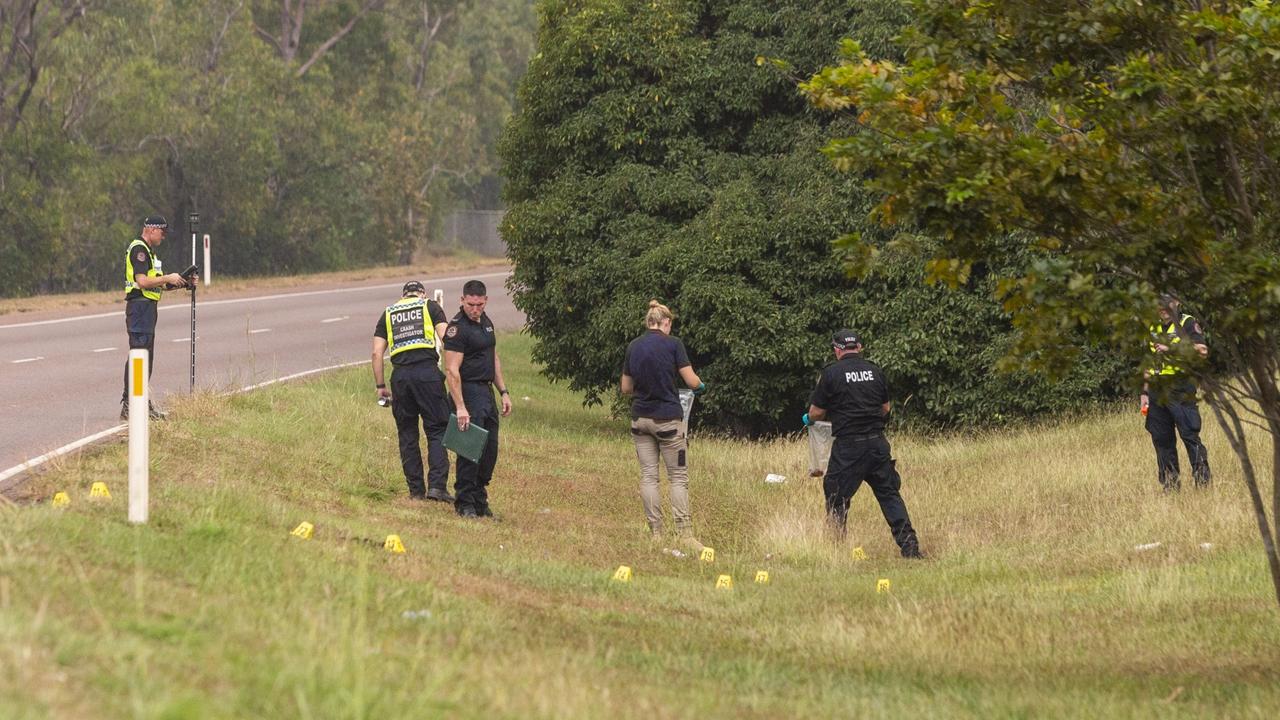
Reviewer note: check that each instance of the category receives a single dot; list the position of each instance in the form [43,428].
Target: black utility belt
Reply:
[477,382]
[860,438]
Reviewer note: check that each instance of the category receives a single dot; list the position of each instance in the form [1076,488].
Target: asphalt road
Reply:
[62,373]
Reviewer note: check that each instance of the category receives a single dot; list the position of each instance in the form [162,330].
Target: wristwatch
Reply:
[380,386]
[503,392]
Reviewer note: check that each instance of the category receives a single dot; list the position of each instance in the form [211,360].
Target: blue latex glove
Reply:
[702,387]
[805,419]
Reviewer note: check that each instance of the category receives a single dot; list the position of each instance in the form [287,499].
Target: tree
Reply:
[1132,147]
[652,158]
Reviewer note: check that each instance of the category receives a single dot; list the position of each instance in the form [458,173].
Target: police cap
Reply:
[845,340]
[156,221]
[412,287]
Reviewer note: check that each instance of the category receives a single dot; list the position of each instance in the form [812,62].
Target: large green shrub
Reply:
[652,157]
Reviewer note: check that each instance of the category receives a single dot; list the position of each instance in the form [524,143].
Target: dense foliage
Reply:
[309,135]
[1131,146]
[653,157]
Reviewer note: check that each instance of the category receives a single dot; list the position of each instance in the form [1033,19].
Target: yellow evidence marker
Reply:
[304,531]
[393,544]
[762,577]
[61,499]
[724,582]
[622,574]
[99,490]
[882,585]
[859,553]
[707,555]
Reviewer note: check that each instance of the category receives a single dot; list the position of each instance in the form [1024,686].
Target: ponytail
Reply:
[657,313]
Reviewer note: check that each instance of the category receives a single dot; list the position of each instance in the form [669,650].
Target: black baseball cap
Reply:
[845,339]
[155,221]
[413,286]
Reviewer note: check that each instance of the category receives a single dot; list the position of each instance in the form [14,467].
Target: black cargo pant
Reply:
[417,390]
[1184,417]
[471,484]
[140,322]
[866,458]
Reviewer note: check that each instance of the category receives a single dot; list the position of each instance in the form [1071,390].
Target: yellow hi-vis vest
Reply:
[153,271]
[1168,336]
[409,326]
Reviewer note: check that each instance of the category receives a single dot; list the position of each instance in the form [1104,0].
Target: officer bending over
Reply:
[411,327]
[853,395]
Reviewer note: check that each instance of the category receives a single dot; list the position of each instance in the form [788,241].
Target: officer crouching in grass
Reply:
[412,328]
[853,395]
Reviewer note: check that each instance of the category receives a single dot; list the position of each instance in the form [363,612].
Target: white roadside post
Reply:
[139,436]
[438,296]
[208,273]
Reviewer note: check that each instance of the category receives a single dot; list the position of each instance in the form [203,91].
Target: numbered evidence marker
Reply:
[100,491]
[859,553]
[393,544]
[707,555]
[61,499]
[724,582]
[762,577]
[304,531]
[622,574]
[882,585]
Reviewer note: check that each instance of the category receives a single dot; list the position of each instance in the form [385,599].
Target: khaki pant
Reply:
[663,440]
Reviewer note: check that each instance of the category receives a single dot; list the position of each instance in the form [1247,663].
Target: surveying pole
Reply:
[193,220]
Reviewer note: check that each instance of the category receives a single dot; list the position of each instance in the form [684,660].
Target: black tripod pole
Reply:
[192,280]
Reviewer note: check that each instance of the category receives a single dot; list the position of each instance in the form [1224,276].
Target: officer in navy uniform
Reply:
[411,328]
[853,395]
[1174,403]
[473,369]
[143,285]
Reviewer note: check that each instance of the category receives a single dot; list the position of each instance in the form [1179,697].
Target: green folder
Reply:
[469,443]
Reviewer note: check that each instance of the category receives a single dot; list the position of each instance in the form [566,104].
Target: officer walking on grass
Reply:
[143,285]
[410,328]
[1174,404]
[473,369]
[853,395]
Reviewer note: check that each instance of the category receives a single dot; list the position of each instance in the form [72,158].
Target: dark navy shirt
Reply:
[476,341]
[653,361]
[853,392]
[417,355]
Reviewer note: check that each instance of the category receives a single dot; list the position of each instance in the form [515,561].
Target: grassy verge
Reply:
[223,286]
[1034,603]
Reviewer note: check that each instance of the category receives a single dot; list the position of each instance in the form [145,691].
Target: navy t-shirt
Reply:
[653,361]
[476,341]
[853,392]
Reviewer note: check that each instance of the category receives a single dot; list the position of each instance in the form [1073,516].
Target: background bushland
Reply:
[310,135]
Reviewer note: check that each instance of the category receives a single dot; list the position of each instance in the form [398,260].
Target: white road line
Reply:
[185,339]
[17,469]
[27,360]
[104,349]
[183,306]
[337,319]
[70,447]
[259,330]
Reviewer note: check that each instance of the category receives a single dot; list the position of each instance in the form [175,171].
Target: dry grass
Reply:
[1034,602]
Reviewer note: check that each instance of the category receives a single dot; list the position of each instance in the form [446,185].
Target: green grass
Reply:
[1034,602]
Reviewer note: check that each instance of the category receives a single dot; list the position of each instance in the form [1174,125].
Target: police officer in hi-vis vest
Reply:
[853,395]
[1169,395]
[143,284]
[412,328]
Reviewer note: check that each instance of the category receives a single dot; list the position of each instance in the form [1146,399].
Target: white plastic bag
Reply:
[686,404]
[819,448]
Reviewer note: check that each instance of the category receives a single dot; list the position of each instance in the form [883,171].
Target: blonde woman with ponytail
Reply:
[653,362]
